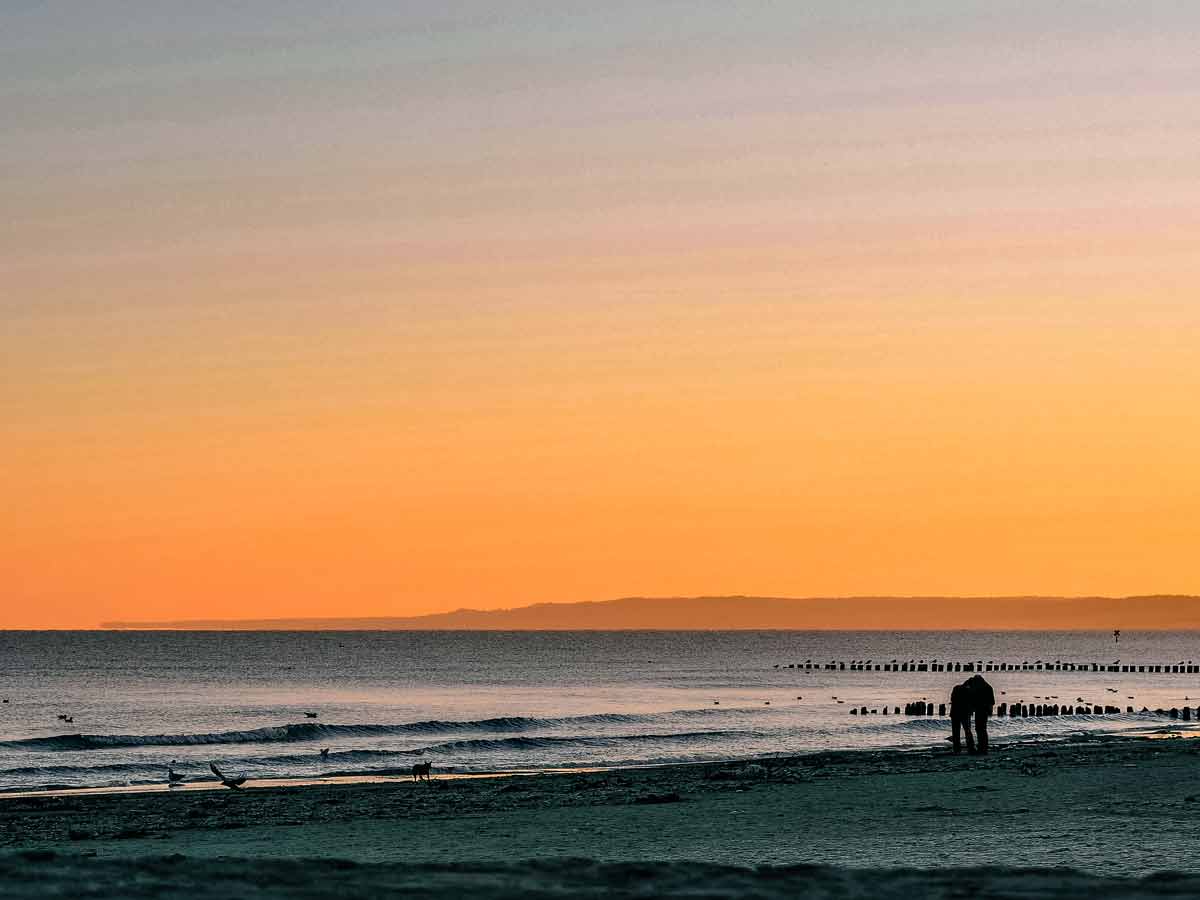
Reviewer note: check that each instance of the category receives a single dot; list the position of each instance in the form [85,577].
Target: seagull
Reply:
[1111,690]
[231,783]
[310,715]
[173,777]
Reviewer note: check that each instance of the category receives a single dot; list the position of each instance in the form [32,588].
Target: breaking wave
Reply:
[313,731]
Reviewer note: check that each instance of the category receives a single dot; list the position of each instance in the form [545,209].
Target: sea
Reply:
[265,704]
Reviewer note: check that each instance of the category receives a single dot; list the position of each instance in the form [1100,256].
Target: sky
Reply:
[384,308]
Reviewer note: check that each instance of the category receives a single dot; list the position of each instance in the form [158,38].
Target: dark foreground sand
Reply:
[1112,809]
[169,877]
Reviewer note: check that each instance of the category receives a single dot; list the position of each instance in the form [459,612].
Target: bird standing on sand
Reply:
[231,783]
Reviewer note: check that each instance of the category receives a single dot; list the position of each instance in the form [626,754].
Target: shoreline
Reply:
[1085,786]
[836,823]
[1164,730]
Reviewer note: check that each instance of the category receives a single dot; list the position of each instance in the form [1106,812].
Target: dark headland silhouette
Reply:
[1161,612]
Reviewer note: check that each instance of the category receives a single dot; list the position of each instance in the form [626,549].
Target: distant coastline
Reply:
[731,613]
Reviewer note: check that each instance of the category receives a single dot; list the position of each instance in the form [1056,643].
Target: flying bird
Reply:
[231,783]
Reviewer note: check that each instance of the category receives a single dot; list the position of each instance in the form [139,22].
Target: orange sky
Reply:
[411,310]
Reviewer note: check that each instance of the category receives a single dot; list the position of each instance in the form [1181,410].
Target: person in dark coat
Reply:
[983,698]
[961,703]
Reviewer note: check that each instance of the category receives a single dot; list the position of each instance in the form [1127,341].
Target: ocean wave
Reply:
[478,746]
[315,731]
[493,745]
[66,771]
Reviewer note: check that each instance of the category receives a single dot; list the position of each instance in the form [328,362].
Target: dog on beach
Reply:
[421,769]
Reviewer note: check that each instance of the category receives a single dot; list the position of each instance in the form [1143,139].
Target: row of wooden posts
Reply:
[1023,710]
[1182,668]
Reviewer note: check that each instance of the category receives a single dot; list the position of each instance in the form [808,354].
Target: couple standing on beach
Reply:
[974,695]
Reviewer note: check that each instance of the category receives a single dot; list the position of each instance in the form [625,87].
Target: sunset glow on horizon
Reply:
[397,308]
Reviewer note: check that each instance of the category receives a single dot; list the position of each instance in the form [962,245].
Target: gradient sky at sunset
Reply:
[386,308]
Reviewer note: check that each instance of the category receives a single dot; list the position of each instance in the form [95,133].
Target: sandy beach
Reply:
[1114,809]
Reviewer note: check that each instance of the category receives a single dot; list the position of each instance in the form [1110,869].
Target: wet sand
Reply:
[1114,808]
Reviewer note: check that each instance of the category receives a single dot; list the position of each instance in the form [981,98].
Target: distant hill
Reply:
[1167,612]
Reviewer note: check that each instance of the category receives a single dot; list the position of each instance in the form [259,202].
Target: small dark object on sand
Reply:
[310,715]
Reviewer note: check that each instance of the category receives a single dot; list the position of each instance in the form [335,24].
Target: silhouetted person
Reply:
[983,698]
[961,704]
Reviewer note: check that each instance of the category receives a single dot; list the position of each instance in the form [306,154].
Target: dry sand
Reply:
[1113,808]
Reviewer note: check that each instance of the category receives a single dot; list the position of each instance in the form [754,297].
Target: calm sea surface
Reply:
[475,701]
